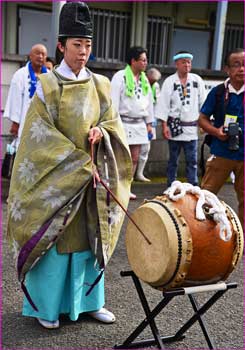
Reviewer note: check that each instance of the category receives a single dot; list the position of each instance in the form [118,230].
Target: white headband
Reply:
[183,55]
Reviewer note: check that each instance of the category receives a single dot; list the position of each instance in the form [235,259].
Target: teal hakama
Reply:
[63,280]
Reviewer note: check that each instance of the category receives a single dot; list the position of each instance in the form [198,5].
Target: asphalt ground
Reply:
[224,319]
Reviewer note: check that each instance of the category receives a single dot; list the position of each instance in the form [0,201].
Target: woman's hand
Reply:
[95,135]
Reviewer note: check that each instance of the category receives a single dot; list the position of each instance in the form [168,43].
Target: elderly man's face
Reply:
[183,65]
[235,68]
[38,56]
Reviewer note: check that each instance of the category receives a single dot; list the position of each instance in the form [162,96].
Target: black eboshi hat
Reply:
[75,21]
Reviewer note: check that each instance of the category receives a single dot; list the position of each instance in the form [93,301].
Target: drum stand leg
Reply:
[150,316]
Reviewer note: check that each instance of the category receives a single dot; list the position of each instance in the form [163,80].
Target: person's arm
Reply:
[95,135]
[202,93]
[14,129]
[165,130]
[149,128]
[206,125]
[13,108]
[116,85]
[204,121]
[163,106]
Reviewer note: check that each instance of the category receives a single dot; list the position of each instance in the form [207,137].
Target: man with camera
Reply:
[225,104]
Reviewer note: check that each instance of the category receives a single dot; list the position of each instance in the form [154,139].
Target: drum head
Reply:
[154,263]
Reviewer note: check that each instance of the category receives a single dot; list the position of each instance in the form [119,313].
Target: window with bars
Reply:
[234,36]
[159,38]
[112,37]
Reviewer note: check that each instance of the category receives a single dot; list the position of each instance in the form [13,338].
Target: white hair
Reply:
[153,74]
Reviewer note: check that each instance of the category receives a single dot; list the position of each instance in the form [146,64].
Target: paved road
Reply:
[224,319]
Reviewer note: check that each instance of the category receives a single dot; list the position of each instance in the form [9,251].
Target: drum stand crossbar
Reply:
[219,289]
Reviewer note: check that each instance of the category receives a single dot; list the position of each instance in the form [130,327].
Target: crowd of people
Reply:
[75,128]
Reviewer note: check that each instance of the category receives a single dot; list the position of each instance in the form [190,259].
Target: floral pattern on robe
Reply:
[51,191]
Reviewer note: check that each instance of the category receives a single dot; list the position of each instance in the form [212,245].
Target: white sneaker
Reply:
[103,315]
[142,178]
[49,324]
[132,196]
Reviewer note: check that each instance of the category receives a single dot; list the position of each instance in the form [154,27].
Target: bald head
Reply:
[38,56]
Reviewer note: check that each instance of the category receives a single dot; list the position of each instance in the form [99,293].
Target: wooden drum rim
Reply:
[177,229]
[185,248]
[238,231]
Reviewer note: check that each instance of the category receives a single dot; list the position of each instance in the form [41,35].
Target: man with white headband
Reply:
[181,98]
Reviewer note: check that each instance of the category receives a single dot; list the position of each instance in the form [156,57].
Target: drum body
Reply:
[183,251]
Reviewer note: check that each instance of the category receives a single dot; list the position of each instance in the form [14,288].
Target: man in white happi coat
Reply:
[181,98]
[22,88]
[132,97]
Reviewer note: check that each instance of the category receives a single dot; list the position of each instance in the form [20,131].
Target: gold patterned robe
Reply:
[52,199]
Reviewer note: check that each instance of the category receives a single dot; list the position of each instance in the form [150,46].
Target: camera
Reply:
[233,131]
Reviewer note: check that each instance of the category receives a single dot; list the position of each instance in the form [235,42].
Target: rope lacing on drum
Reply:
[213,205]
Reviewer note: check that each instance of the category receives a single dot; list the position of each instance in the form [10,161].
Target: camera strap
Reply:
[226,97]
[222,90]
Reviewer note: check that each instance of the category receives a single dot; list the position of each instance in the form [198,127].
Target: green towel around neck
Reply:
[154,92]
[130,84]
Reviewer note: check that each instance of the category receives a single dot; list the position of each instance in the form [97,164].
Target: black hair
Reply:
[182,51]
[58,55]
[227,56]
[134,53]
[63,41]
[49,59]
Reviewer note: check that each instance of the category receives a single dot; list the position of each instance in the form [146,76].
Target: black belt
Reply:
[127,119]
[194,123]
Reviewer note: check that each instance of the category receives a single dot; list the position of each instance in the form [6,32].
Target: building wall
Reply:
[199,15]
[195,15]
[8,70]
[235,13]
[110,5]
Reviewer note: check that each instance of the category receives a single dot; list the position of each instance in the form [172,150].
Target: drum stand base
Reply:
[129,343]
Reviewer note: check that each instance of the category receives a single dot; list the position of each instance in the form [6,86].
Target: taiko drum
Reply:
[183,251]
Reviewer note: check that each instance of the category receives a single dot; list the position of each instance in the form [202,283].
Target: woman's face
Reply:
[76,53]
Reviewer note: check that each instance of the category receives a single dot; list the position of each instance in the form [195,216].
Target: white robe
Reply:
[18,100]
[134,107]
